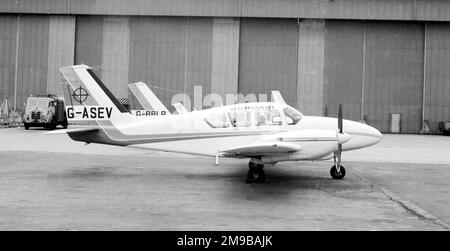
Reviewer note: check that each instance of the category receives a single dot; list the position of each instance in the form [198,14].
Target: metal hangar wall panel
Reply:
[268,57]
[32,57]
[394,72]
[8,30]
[174,54]
[343,67]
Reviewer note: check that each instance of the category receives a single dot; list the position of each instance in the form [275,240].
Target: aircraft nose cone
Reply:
[374,132]
[362,135]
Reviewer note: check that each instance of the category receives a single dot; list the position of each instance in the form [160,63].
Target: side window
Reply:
[292,116]
[217,121]
[240,118]
[268,118]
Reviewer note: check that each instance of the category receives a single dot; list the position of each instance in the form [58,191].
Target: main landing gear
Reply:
[255,173]
[337,171]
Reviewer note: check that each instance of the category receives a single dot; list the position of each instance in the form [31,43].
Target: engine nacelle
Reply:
[314,150]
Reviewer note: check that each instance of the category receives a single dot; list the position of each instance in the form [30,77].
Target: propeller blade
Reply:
[340,118]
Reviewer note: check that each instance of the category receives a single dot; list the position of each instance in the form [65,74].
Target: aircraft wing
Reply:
[262,148]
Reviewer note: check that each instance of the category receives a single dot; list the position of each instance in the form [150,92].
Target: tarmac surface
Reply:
[49,182]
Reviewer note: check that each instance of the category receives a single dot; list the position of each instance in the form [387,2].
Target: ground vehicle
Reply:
[45,111]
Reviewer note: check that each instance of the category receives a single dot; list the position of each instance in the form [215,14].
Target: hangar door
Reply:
[394,72]
[8,26]
[343,68]
[172,54]
[437,101]
[268,57]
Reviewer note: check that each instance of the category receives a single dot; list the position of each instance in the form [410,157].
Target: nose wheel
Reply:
[337,172]
[255,173]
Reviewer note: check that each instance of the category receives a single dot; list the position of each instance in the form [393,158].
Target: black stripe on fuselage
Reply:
[116,102]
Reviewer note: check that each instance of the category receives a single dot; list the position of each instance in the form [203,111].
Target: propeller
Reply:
[340,118]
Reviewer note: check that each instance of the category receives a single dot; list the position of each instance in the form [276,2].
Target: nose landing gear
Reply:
[255,173]
[337,171]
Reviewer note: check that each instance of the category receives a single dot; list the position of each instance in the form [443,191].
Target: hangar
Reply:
[377,57]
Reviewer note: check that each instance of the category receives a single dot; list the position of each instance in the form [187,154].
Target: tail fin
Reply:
[90,100]
[147,98]
[277,98]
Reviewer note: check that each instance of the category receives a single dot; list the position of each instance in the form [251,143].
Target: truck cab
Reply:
[46,111]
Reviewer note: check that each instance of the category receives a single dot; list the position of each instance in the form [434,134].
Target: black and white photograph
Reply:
[234,116]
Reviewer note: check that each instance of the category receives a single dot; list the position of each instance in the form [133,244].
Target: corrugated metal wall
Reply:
[311,60]
[33,55]
[437,101]
[247,55]
[394,71]
[225,57]
[157,54]
[433,10]
[115,54]
[268,57]
[436,10]
[199,63]
[8,26]
[89,41]
[337,9]
[155,7]
[61,50]
[343,68]
[162,50]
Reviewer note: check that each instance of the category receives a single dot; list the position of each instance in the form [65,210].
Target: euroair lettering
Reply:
[88,112]
[148,113]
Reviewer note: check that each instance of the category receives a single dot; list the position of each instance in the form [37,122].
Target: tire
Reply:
[256,174]
[27,127]
[262,175]
[52,125]
[335,175]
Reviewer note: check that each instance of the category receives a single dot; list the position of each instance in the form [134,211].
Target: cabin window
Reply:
[240,118]
[292,116]
[217,121]
[268,118]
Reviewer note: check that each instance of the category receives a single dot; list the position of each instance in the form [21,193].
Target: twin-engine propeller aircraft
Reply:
[265,132]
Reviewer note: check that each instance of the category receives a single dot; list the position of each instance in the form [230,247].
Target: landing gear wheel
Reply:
[52,125]
[255,173]
[337,175]
[26,126]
